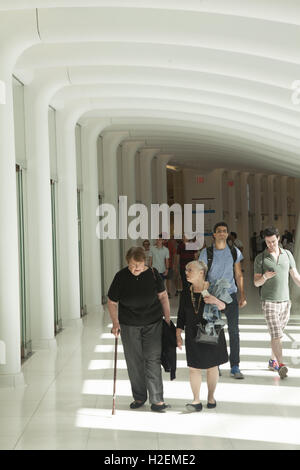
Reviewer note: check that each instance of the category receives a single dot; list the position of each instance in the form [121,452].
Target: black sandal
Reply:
[196,407]
[210,406]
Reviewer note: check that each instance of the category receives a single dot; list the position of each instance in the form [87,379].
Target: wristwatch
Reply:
[205,293]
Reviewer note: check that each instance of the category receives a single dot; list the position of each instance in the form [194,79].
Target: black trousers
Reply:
[232,315]
[142,350]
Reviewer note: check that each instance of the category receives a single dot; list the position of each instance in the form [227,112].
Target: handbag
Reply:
[208,334]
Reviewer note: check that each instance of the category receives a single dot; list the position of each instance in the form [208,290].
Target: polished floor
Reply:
[67,401]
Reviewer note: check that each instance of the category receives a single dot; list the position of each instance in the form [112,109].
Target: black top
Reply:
[137,296]
[186,317]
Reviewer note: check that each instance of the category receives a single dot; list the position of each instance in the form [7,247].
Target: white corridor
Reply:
[67,401]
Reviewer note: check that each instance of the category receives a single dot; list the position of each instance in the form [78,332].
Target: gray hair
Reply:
[200,265]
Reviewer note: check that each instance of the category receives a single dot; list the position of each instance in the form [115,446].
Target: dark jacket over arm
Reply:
[169,344]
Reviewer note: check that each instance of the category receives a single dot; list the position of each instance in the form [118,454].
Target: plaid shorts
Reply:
[277,315]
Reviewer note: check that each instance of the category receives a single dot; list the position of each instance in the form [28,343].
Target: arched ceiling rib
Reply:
[202,98]
[227,68]
[156,26]
[287,12]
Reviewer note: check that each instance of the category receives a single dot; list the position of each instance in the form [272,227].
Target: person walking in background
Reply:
[159,258]
[184,256]
[146,246]
[172,247]
[289,242]
[137,300]
[234,241]
[261,244]
[271,273]
[225,263]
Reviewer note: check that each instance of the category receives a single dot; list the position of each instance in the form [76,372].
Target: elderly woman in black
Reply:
[137,301]
[199,356]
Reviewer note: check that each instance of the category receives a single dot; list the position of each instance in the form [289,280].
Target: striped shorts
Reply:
[277,315]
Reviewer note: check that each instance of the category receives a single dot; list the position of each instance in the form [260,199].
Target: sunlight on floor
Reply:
[264,428]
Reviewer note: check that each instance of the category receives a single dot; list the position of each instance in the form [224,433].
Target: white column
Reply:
[37,96]
[245,236]
[129,150]
[154,184]
[92,261]
[284,201]
[271,200]
[162,190]
[297,200]
[232,199]
[257,202]
[178,188]
[68,220]
[218,183]
[10,371]
[146,159]
[111,141]
[18,31]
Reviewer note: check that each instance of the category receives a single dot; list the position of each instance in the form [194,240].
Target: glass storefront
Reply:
[80,252]
[57,312]
[26,344]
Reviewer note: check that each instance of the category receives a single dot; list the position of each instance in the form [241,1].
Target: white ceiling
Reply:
[208,81]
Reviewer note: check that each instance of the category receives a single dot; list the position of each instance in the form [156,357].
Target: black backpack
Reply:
[210,257]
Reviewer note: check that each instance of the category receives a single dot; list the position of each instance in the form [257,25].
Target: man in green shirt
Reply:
[271,273]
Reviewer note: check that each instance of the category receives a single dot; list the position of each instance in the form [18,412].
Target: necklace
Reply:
[194,301]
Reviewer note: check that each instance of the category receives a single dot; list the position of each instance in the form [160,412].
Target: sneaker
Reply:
[282,371]
[273,365]
[236,373]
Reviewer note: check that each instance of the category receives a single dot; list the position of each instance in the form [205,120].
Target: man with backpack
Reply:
[271,274]
[224,262]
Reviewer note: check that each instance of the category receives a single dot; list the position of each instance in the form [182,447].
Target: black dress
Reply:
[199,356]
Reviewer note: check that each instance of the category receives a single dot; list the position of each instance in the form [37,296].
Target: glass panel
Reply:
[82,307]
[57,313]
[26,345]
[104,298]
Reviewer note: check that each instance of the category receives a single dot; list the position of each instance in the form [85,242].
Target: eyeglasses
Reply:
[136,266]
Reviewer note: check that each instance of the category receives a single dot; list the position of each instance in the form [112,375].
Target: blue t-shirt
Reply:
[222,266]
